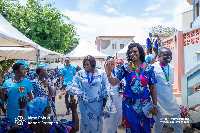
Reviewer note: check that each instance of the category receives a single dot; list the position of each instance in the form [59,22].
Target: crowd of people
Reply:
[139,93]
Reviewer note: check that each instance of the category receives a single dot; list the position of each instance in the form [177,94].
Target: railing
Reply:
[192,37]
[168,43]
[190,80]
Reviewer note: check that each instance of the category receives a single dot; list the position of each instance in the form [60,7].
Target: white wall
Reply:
[196,22]
[187,19]
[190,58]
[110,51]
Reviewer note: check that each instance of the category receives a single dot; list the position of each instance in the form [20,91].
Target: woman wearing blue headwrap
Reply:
[40,108]
[149,59]
[13,88]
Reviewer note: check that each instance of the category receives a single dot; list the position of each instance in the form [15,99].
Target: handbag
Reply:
[146,109]
[104,102]
[121,88]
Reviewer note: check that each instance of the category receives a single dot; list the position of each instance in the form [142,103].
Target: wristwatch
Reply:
[154,106]
[109,76]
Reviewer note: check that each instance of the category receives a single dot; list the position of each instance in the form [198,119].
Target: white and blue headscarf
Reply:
[23,62]
[149,58]
[41,64]
[36,106]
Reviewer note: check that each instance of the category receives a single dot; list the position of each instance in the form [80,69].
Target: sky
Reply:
[93,18]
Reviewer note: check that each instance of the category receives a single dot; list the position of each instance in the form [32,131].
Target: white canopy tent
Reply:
[13,41]
[83,49]
[18,52]
[140,38]
[48,53]
[7,31]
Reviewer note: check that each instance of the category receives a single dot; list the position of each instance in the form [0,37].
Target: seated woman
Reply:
[40,108]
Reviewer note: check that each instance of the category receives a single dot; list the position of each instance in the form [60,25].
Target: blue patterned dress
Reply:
[90,99]
[6,125]
[40,91]
[135,96]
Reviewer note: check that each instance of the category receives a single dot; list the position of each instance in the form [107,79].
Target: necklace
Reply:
[166,74]
[138,77]
[90,80]
[17,81]
[135,69]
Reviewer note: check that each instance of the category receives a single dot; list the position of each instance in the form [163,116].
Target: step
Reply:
[177,94]
[173,86]
[174,90]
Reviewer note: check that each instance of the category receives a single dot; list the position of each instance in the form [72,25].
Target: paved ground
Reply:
[179,101]
[61,111]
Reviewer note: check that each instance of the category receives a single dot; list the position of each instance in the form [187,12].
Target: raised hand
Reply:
[73,104]
[108,68]
[61,87]
[60,96]
[22,101]
[4,90]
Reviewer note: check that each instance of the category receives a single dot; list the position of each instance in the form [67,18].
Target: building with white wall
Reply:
[195,12]
[187,20]
[112,44]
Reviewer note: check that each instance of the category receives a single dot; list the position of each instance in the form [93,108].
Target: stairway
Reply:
[175,92]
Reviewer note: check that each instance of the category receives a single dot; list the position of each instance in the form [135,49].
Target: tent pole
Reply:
[38,55]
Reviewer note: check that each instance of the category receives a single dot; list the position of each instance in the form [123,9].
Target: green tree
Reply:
[43,24]
[163,31]
[5,65]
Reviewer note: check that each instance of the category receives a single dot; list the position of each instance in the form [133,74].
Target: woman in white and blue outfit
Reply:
[90,85]
[111,124]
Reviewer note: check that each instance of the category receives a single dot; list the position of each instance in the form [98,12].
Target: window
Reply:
[121,46]
[114,46]
[196,9]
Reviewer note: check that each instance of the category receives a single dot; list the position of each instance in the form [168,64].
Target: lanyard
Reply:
[114,72]
[150,39]
[90,81]
[166,76]
[141,71]
[154,41]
